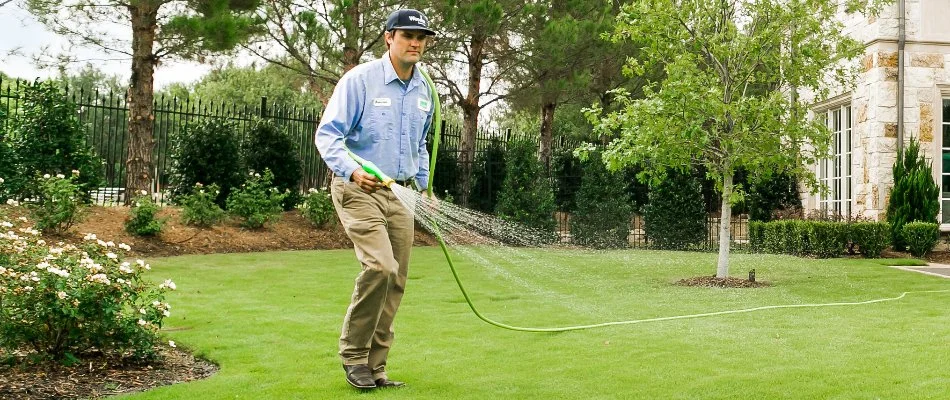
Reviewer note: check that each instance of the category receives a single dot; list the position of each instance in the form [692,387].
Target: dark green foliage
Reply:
[757,236]
[526,195]
[921,237]
[488,173]
[7,170]
[914,196]
[448,173]
[638,191]
[787,237]
[827,239]
[47,138]
[142,220]
[766,194]
[267,146]
[207,152]
[603,213]
[675,216]
[820,239]
[871,238]
[568,171]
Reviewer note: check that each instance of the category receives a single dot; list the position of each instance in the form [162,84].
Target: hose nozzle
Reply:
[372,169]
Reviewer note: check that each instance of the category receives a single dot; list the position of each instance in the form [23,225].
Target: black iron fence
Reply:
[105,117]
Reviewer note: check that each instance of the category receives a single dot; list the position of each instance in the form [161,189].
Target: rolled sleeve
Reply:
[341,114]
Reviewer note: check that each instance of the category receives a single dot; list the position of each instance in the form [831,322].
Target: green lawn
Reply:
[271,320]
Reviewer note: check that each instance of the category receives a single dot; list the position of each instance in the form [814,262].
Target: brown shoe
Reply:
[386,383]
[359,376]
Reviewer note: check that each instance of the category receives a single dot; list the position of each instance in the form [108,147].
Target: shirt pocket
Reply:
[381,123]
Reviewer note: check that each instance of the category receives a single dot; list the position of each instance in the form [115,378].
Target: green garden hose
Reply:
[437,125]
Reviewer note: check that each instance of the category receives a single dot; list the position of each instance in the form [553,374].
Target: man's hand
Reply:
[366,181]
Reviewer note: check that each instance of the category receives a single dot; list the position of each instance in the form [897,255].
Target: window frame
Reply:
[836,172]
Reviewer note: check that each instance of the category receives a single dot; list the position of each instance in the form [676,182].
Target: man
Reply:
[381,111]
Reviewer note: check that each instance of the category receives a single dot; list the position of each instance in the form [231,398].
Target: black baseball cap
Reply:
[408,18]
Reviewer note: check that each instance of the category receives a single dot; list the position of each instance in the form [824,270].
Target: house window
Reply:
[945,172]
[835,172]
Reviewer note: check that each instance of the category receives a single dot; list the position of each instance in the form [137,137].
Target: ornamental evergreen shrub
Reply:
[921,237]
[826,239]
[47,137]
[770,193]
[447,175]
[568,171]
[269,147]
[526,195]
[914,196]
[871,238]
[207,152]
[488,175]
[602,217]
[675,216]
[757,236]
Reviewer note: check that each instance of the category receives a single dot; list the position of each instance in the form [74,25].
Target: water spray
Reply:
[437,124]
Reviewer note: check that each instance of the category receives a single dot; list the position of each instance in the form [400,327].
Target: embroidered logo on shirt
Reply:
[424,105]
[382,102]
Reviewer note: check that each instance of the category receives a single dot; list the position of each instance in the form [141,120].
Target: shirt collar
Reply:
[389,73]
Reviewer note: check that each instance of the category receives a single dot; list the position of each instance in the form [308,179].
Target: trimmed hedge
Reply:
[870,237]
[822,239]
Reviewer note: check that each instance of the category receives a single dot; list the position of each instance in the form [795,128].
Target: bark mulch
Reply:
[712,281]
[97,376]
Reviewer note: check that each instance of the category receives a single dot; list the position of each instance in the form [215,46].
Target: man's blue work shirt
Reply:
[379,118]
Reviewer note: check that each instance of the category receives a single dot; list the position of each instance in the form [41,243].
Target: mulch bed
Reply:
[712,281]
[99,376]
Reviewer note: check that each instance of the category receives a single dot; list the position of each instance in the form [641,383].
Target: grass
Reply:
[272,320]
[899,262]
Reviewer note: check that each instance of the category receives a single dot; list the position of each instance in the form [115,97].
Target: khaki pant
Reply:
[381,229]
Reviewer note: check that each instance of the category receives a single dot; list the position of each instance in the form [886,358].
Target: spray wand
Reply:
[372,169]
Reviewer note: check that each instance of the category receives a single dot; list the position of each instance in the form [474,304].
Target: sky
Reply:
[20,31]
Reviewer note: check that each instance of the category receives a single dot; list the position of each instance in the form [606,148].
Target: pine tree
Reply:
[602,218]
[914,196]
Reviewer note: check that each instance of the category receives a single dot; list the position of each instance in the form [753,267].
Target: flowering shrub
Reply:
[199,208]
[256,201]
[59,203]
[318,207]
[62,300]
[142,221]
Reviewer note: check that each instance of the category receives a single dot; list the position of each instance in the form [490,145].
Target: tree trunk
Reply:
[725,220]
[547,132]
[470,109]
[351,42]
[138,172]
